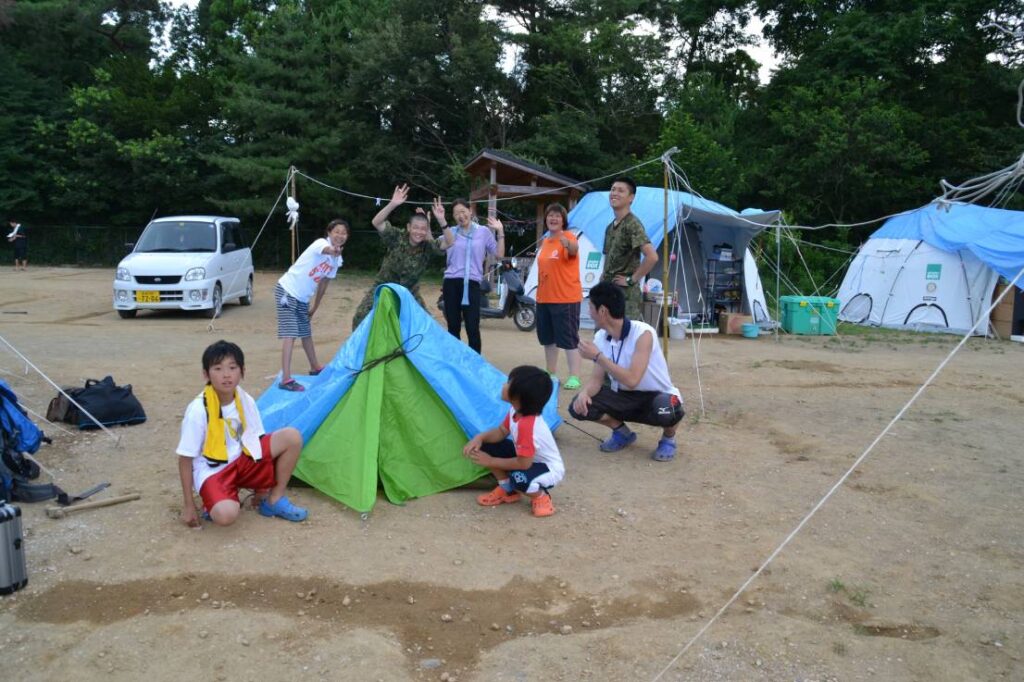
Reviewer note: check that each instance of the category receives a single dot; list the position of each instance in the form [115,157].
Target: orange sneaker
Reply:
[542,505]
[496,497]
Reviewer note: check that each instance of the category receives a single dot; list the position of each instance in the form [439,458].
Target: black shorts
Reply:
[521,478]
[21,249]
[559,324]
[637,407]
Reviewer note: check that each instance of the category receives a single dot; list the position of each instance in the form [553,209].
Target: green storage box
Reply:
[810,315]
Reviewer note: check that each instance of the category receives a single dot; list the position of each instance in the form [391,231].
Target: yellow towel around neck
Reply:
[215,447]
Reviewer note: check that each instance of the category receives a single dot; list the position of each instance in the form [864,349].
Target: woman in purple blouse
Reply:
[461,287]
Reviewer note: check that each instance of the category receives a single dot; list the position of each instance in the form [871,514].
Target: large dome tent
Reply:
[933,268]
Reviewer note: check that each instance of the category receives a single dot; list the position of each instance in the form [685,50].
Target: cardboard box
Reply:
[1004,311]
[1003,328]
[732,323]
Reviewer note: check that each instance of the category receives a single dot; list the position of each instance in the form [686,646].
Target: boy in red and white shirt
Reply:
[521,452]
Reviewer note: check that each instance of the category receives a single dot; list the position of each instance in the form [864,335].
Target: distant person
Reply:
[461,287]
[19,238]
[521,452]
[640,389]
[408,252]
[224,448]
[305,281]
[625,241]
[559,293]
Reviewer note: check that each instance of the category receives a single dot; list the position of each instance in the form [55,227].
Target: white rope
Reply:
[842,479]
[550,190]
[117,439]
[822,246]
[1003,183]
[210,328]
[39,464]
[39,416]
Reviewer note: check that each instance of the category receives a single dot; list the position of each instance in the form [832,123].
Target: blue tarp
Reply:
[593,214]
[994,235]
[463,379]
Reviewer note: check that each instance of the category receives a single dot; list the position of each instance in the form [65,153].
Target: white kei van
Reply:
[185,263]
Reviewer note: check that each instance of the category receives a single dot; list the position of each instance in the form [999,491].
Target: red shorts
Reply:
[244,472]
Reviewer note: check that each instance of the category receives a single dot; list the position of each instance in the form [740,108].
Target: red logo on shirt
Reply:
[319,271]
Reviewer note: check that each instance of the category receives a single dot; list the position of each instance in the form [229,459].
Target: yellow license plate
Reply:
[147,296]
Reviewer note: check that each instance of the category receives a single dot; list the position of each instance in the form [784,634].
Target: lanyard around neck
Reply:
[622,340]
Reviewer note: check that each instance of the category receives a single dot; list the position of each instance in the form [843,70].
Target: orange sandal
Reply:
[496,497]
[542,506]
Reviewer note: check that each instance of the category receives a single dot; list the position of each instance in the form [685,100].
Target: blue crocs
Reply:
[665,452]
[284,509]
[617,441]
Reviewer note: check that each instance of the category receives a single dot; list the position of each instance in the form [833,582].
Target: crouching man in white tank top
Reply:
[640,389]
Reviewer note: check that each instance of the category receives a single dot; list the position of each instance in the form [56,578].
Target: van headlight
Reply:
[123,275]
[195,274]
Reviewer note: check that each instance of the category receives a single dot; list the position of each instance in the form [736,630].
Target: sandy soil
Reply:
[913,571]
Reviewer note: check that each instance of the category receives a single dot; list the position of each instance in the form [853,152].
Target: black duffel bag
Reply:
[109,403]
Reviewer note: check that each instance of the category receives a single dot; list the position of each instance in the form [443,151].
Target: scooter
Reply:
[512,299]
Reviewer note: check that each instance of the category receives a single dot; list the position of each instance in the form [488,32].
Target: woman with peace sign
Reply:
[559,294]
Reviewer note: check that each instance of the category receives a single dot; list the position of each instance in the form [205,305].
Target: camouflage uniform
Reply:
[403,264]
[622,244]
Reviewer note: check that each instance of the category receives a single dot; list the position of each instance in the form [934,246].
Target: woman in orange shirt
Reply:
[559,294]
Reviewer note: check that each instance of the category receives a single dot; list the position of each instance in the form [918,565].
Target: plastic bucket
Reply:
[750,330]
[676,328]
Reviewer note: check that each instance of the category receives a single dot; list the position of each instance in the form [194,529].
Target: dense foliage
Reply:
[116,110]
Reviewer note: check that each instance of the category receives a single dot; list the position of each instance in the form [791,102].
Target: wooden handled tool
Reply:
[61,512]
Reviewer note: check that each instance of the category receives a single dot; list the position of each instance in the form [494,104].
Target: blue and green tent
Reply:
[394,407]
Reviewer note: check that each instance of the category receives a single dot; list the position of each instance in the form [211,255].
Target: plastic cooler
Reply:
[809,315]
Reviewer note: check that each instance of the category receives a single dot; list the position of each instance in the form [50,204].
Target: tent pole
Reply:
[778,275]
[295,224]
[665,270]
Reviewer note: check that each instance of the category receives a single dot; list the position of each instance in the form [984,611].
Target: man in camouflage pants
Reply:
[409,251]
[625,240]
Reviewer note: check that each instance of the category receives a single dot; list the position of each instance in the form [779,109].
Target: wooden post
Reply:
[540,214]
[492,193]
[295,223]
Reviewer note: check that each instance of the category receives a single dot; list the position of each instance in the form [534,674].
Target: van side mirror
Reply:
[228,247]
[129,247]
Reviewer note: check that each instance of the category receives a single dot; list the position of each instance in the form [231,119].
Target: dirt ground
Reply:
[912,571]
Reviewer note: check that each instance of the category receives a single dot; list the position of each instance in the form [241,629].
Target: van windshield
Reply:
[178,237]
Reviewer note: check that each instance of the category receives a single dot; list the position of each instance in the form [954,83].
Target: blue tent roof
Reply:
[994,235]
[593,214]
[468,384]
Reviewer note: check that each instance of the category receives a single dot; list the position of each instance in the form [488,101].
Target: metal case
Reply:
[13,575]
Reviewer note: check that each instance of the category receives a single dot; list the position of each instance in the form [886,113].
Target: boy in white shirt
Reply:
[306,280]
[223,447]
[640,389]
[529,463]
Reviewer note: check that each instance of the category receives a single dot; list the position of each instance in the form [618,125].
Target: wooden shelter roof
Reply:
[515,177]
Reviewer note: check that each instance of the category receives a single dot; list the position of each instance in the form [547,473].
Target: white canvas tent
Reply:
[696,226]
[933,268]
